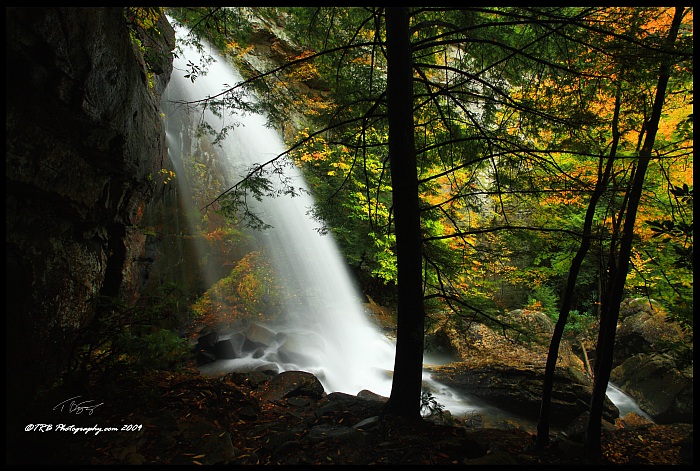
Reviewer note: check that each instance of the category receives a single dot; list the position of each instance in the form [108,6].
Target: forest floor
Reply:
[186,418]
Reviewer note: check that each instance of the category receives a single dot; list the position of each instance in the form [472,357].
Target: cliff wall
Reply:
[84,141]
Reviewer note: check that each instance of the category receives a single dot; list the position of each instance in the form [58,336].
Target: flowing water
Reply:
[625,404]
[324,311]
[324,308]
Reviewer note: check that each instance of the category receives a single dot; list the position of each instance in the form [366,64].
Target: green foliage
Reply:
[430,406]
[251,291]
[678,233]
[143,17]
[578,323]
[216,24]
[143,30]
[663,268]
[513,114]
[544,299]
[161,349]
[124,339]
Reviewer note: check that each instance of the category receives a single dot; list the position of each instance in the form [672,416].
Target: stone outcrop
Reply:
[84,142]
[507,372]
[643,327]
[290,384]
[518,389]
[645,369]
[502,372]
[526,344]
[661,389]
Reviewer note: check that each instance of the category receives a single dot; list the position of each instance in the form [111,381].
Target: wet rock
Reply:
[224,350]
[643,327]
[207,341]
[658,386]
[259,336]
[292,383]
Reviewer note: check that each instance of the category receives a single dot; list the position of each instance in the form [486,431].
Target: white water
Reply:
[352,355]
[625,404]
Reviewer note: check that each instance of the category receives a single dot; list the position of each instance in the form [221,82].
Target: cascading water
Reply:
[323,311]
[624,403]
[323,308]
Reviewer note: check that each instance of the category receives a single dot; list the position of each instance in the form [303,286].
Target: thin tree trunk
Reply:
[586,362]
[405,395]
[550,367]
[592,442]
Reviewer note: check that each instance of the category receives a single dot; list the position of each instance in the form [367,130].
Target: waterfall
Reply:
[323,307]
[323,310]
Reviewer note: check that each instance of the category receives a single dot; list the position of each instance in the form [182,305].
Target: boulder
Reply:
[258,336]
[290,384]
[658,386]
[643,327]
[204,358]
[464,340]
[508,371]
[644,366]
[207,341]
[224,349]
[298,348]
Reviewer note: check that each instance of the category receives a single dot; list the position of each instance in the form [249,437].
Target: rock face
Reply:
[643,327]
[661,384]
[84,140]
[661,389]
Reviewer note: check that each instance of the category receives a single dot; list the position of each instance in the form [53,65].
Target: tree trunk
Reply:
[405,395]
[592,442]
[553,354]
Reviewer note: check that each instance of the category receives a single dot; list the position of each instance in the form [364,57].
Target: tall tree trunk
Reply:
[592,442]
[553,354]
[404,400]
